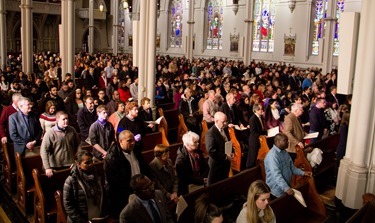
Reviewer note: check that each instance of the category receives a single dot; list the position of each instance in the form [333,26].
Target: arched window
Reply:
[339,10]
[176,18]
[215,24]
[264,24]
[319,24]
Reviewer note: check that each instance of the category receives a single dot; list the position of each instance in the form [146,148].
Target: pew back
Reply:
[45,209]
[25,182]
[9,168]
[222,191]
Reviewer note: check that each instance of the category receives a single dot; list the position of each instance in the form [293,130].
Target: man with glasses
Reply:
[219,161]
[147,205]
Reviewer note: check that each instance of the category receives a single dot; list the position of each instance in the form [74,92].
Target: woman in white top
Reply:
[256,209]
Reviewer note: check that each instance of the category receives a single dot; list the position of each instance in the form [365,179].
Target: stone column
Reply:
[190,23]
[142,49]
[27,35]
[151,51]
[115,26]
[67,37]
[248,44]
[91,27]
[3,35]
[327,48]
[135,44]
[356,173]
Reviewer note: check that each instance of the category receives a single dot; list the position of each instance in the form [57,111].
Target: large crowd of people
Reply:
[98,105]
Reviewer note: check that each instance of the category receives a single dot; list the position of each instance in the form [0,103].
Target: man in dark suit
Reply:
[86,116]
[215,140]
[24,128]
[147,205]
[121,163]
[257,129]
[229,109]
[317,119]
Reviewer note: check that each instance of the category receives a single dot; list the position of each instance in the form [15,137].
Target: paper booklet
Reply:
[181,206]
[237,127]
[272,132]
[311,135]
[157,121]
[228,148]
[299,197]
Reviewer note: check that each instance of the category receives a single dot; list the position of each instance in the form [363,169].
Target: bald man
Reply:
[121,163]
[216,138]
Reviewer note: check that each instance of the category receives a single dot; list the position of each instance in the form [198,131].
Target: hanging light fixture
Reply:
[101,6]
[292,5]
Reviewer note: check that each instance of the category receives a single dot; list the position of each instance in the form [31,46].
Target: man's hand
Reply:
[4,140]
[307,174]
[300,144]
[104,154]
[290,191]
[174,197]
[230,125]
[30,145]
[49,173]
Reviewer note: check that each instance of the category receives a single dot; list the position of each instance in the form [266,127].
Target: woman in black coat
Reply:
[83,192]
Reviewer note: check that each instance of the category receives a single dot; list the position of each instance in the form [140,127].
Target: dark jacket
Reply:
[85,119]
[75,197]
[118,173]
[185,172]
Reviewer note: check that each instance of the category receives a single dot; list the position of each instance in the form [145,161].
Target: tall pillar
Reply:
[356,174]
[91,27]
[3,35]
[115,9]
[327,48]
[248,44]
[151,51]
[135,44]
[71,37]
[142,50]
[67,36]
[191,31]
[27,35]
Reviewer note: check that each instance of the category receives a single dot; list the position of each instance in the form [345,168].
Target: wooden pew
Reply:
[25,182]
[202,139]
[151,140]
[328,168]
[170,124]
[9,168]
[167,106]
[45,209]
[182,128]
[288,209]
[220,192]
[358,216]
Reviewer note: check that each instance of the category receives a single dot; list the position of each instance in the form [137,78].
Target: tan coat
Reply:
[293,129]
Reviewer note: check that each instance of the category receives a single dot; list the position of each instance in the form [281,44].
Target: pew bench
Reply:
[45,210]
[288,209]
[166,106]
[25,182]
[170,123]
[151,140]
[359,215]
[221,192]
[9,168]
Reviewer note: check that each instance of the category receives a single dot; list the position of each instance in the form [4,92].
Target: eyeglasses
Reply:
[149,187]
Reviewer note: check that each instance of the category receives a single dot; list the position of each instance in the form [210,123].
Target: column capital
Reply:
[190,22]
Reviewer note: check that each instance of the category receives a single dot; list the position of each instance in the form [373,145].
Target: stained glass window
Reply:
[215,24]
[264,24]
[339,10]
[319,24]
[176,18]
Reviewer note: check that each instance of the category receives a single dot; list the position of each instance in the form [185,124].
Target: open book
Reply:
[299,197]
[157,121]
[311,135]
[181,206]
[237,127]
[272,132]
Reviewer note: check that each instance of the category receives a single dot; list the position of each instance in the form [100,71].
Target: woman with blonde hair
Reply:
[256,209]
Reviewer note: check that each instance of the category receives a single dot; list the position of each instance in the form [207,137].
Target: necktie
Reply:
[223,134]
[155,214]
[261,122]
